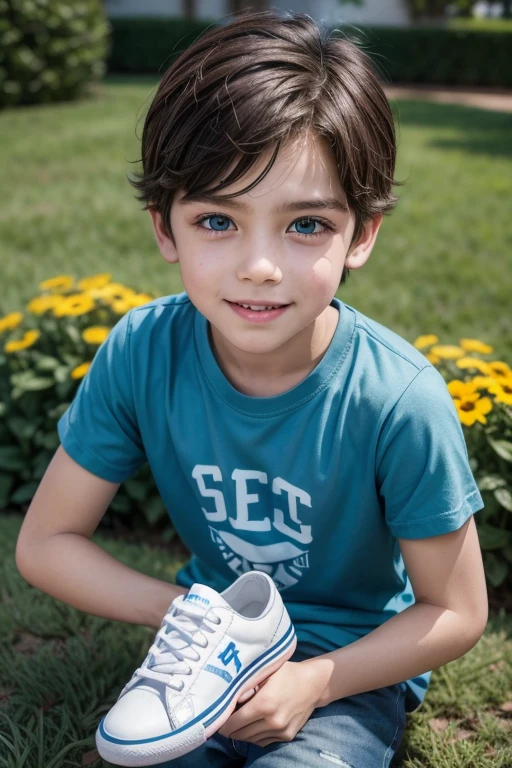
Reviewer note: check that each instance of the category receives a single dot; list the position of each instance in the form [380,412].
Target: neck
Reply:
[264,375]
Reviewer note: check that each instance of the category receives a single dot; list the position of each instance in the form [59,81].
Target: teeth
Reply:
[257,309]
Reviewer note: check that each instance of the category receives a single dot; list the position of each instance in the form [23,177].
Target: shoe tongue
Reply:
[199,595]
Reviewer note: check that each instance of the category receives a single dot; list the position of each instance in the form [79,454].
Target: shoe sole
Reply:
[140,752]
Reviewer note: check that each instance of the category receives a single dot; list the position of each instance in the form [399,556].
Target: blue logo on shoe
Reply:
[220,672]
[199,598]
[230,653]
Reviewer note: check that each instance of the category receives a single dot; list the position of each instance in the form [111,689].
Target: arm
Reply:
[54,552]
[447,620]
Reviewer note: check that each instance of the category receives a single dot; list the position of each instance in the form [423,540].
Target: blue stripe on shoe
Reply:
[228,694]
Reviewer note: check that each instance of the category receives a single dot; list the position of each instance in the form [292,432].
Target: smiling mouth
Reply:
[258,307]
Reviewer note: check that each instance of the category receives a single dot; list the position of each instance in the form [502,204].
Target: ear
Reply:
[164,242]
[360,251]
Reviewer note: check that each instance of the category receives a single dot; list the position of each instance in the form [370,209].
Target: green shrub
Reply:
[50,50]
[482,393]
[149,45]
[466,55]
[439,55]
[44,354]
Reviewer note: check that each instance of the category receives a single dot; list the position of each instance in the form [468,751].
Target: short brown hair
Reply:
[253,84]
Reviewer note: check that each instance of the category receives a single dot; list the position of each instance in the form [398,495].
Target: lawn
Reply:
[441,264]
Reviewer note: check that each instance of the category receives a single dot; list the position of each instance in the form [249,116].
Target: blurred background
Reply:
[77,252]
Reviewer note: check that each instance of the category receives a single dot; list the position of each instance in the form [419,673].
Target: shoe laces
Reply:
[185,625]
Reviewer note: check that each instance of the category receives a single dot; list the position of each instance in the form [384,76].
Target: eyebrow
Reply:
[329,203]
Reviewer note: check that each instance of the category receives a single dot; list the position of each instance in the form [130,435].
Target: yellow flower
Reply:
[58,284]
[434,359]
[425,341]
[29,338]
[95,281]
[10,321]
[471,407]
[447,351]
[458,388]
[96,334]
[76,304]
[499,370]
[111,291]
[482,382]
[121,306]
[473,362]
[502,390]
[139,299]
[473,345]
[41,304]
[80,371]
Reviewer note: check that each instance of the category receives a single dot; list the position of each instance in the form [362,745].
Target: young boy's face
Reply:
[262,254]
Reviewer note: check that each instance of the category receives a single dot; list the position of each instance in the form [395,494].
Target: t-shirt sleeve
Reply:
[422,466]
[99,429]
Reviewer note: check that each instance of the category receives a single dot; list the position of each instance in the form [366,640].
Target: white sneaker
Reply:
[211,652]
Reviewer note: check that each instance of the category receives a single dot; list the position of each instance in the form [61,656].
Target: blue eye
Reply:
[305,221]
[312,221]
[214,216]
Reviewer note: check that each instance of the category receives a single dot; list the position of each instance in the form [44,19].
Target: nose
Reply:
[255,265]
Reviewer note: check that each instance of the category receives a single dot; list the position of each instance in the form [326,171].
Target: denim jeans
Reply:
[361,731]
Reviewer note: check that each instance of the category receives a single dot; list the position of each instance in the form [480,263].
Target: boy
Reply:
[307,440]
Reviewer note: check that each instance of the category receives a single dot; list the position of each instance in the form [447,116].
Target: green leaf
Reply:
[47,363]
[168,535]
[62,373]
[491,537]
[154,509]
[27,382]
[40,464]
[58,411]
[121,504]
[51,441]
[74,334]
[6,483]
[496,569]
[24,492]
[18,379]
[16,393]
[12,458]
[136,489]
[22,427]
[504,497]
[48,440]
[507,552]
[502,447]
[490,482]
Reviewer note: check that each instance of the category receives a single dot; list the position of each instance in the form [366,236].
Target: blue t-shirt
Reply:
[312,486]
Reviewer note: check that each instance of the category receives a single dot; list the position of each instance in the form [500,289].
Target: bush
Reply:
[43,357]
[148,45]
[50,50]
[482,393]
[461,55]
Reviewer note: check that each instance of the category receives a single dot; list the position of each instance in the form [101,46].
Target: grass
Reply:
[61,670]
[441,264]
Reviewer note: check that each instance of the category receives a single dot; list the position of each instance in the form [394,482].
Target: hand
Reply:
[280,707]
